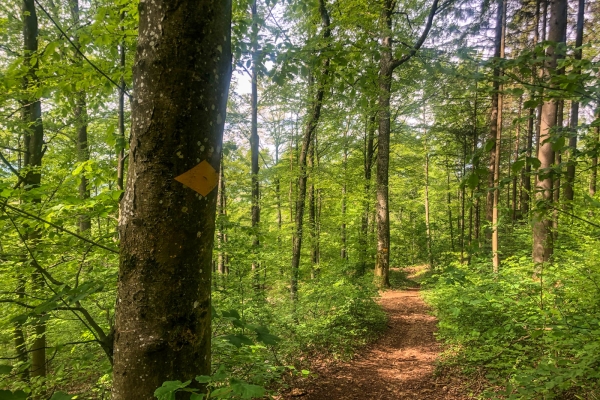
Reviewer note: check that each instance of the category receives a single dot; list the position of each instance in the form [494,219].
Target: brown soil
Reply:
[400,365]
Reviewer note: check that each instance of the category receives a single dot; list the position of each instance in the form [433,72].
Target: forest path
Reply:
[400,365]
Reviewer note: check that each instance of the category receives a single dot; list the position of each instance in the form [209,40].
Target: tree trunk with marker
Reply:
[163,308]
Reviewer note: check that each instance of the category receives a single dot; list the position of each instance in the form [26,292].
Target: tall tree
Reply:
[309,129]
[542,228]
[570,176]
[33,142]
[496,134]
[387,64]
[255,143]
[181,83]
[81,119]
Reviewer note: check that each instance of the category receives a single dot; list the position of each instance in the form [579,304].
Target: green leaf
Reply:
[5,369]
[197,396]
[238,340]
[203,379]
[517,165]
[61,396]
[489,145]
[168,389]
[8,395]
[246,390]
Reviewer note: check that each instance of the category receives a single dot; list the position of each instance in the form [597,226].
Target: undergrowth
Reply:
[535,336]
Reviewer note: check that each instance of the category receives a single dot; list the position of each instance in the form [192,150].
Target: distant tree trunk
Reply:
[222,210]
[81,121]
[278,189]
[387,65]
[558,170]
[368,167]
[33,141]
[167,222]
[427,224]
[344,250]
[594,168]
[254,148]
[311,125]
[462,202]
[121,122]
[516,157]
[542,229]
[312,213]
[18,332]
[449,206]
[570,176]
[474,209]
[496,133]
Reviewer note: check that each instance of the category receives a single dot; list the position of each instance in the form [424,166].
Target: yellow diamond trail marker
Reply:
[202,178]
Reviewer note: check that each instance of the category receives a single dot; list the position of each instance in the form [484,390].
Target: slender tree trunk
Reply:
[311,125]
[344,250]
[515,158]
[312,213]
[121,122]
[557,169]
[427,222]
[574,123]
[542,229]
[387,65]
[222,210]
[449,204]
[33,140]
[254,148]
[18,333]
[81,121]
[594,167]
[368,167]
[496,134]
[462,202]
[181,84]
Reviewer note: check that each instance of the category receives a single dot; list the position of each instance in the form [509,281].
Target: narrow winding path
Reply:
[400,365]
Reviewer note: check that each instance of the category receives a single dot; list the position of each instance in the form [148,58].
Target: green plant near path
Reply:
[535,338]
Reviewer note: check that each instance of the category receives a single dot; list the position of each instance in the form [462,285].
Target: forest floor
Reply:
[400,365]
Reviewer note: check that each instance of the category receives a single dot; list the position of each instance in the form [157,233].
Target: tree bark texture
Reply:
[181,82]
[542,224]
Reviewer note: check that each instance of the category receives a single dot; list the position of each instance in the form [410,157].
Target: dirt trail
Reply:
[400,365]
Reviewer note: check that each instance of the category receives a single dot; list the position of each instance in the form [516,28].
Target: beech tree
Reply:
[181,80]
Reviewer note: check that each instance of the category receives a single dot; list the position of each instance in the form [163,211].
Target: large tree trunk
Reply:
[254,148]
[570,176]
[81,121]
[33,140]
[311,125]
[496,134]
[167,220]
[542,229]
